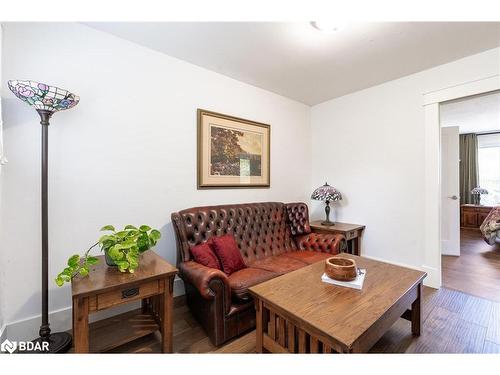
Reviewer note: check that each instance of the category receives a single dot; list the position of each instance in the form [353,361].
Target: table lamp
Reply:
[477,192]
[327,194]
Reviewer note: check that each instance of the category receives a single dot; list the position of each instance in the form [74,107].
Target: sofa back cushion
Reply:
[298,218]
[260,229]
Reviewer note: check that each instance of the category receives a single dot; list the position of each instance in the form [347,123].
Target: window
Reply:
[489,167]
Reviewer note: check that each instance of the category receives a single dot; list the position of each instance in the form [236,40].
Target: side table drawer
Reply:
[131,293]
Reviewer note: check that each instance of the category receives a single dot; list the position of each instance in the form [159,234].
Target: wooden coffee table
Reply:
[298,313]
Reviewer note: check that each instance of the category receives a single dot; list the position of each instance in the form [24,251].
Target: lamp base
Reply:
[59,342]
[327,223]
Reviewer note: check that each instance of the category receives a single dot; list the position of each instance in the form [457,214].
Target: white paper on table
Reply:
[357,283]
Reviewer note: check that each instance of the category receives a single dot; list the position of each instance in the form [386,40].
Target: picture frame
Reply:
[232,152]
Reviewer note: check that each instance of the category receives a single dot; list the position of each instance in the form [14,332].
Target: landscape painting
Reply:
[232,152]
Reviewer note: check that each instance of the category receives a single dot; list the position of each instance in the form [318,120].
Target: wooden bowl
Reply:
[342,269]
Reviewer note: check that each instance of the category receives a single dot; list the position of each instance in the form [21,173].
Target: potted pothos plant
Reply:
[121,249]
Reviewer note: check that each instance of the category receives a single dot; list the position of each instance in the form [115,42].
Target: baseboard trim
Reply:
[432,280]
[61,320]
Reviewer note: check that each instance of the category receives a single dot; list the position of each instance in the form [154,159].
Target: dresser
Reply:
[473,215]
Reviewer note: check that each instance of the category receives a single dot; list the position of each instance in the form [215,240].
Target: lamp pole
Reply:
[327,212]
[59,342]
[44,121]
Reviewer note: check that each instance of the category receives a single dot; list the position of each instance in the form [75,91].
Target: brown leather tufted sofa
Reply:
[274,238]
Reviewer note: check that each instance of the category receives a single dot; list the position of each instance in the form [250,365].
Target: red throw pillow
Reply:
[229,255]
[204,254]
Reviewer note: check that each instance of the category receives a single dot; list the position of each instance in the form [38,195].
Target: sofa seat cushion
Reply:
[279,264]
[308,256]
[243,279]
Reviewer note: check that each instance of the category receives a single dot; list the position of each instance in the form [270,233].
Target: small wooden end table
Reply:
[352,233]
[105,287]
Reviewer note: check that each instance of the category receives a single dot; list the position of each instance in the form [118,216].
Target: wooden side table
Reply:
[352,233]
[105,287]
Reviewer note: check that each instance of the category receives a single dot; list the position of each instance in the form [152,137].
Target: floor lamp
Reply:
[46,100]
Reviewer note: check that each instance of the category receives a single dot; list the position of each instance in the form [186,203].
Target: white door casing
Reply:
[432,184]
[450,200]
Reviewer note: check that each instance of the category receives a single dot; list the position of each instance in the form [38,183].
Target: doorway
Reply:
[470,190]
[431,257]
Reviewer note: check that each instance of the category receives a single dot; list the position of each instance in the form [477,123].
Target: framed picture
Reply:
[232,152]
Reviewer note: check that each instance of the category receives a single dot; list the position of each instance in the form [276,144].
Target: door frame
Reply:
[432,185]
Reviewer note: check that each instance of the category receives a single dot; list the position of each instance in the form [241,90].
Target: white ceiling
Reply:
[302,63]
[473,115]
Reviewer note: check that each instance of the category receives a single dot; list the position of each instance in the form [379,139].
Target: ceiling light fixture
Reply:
[328,26]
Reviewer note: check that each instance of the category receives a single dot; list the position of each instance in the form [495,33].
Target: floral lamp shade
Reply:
[43,97]
[479,191]
[326,193]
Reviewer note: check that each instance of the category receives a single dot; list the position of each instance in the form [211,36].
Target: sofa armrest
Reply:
[325,243]
[208,281]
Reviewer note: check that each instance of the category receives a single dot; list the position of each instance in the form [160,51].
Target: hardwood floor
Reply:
[477,270]
[453,322]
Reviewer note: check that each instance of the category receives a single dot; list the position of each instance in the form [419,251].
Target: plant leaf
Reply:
[92,260]
[129,226]
[127,244]
[132,257]
[59,281]
[155,234]
[68,271]
[74,260]
[143,242]
[114,253]
[108,227]
[122,233]
[122,265]
[133,264]
[84,271]
[144,228]
[107,244]
[106,238]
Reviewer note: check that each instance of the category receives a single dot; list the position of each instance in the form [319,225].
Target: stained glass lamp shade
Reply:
[327,194]
[43,97]
[478,191]
[46,100]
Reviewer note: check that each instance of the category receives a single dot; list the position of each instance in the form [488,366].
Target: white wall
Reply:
[370,145]
[2,278]
[125,154]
